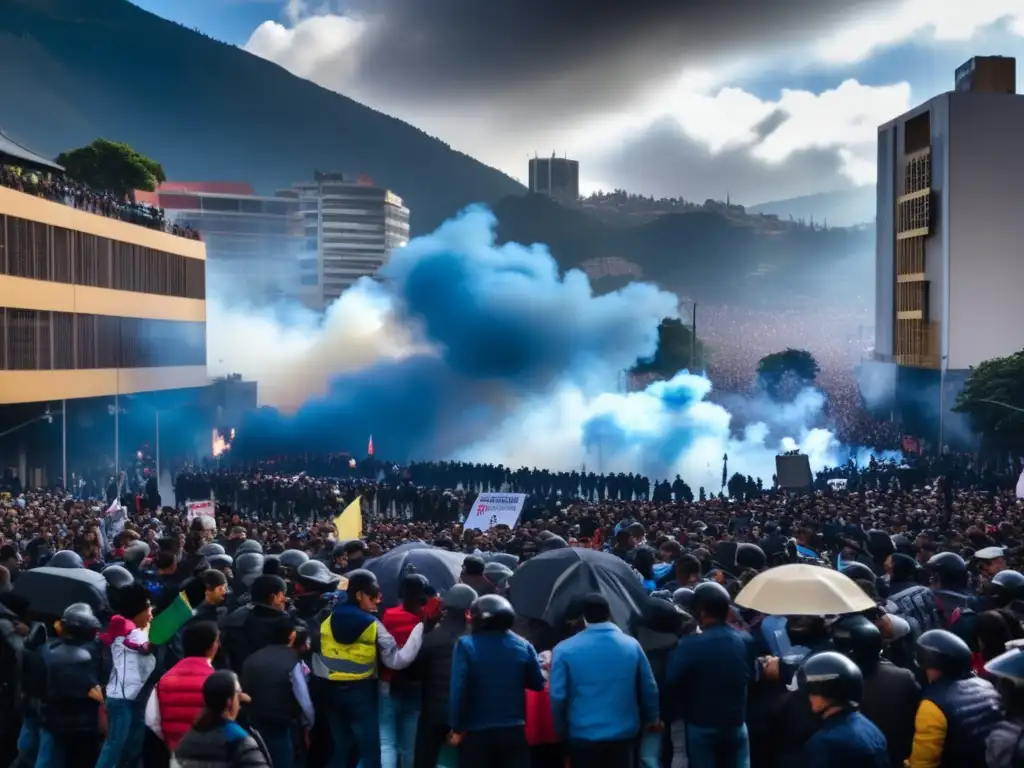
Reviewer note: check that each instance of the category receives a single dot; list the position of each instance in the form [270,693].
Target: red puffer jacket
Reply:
[400,623]
[180,694]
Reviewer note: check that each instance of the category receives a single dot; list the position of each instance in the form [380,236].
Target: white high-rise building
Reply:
[354,226]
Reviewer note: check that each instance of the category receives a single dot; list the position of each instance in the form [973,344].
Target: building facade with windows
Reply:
[354,225]
[949,264]
[254,243]
[91,306]
[556,177]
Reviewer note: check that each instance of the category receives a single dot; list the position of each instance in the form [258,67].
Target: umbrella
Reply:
[50,590]
[441,567]
[803,590]
[545,586]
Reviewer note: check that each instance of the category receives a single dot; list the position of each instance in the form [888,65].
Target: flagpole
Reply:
[64,442]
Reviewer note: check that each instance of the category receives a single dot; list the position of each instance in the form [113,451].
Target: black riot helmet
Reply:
[249,545]
[491,613]
[414,589]
[65,559]
[220,562]
[858,572]
[293,558]
[117,576]
[943,651]
[750,556]
[683,597]
[211,549]
[315,576]
[904,544]
[710,599]
[79,618]
[833,677]
[249,564]
[947,562]
[880,544]
[1008,666]
[949,568]
[856,637]
[1007,586]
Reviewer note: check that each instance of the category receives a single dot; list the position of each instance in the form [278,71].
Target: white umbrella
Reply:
[803,590]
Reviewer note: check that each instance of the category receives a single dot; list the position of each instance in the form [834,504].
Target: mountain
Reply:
[701,254]
[74,70]
[841,208]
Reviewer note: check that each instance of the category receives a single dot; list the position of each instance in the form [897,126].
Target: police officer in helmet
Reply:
[845,738]
[891,694]
[490,660]
[957,710]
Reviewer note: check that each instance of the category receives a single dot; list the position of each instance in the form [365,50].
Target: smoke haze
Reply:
[469,350]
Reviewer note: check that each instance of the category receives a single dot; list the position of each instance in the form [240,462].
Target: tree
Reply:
[737,487]
[785,373]
[112,166]
[674,352]
[996,381]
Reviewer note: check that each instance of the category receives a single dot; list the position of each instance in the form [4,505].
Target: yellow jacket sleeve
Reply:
[929,736]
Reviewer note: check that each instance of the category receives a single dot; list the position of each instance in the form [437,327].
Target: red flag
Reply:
[369,448]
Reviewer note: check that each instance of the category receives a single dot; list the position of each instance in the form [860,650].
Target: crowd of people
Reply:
[283,654]
[59,188]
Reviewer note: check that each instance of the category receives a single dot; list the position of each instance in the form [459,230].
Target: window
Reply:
[308,280]
[37,341]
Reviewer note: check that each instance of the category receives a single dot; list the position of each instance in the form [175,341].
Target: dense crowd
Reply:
[492,646]
[67,191]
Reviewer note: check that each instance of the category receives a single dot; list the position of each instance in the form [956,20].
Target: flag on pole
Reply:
[165,625]
[349,524]
[369,448]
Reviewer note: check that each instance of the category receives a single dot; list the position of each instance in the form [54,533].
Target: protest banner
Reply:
[196,508]
[491,509]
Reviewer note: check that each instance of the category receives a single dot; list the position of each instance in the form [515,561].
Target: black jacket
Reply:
[434,664]
[891,697]
[267,678]
[247,630]
[225,746]
[72,670]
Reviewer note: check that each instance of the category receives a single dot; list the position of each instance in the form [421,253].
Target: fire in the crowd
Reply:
[222,443]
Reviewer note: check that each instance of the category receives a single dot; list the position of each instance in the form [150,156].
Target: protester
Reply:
[216,739]
[603,692]
[491,669]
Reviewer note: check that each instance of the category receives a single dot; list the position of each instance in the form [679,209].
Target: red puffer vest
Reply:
[400,623]
[180,693]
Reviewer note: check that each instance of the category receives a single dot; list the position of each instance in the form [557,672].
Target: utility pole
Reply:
[693,337]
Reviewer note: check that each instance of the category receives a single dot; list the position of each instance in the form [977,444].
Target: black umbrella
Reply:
[441,567]
[545,586]
[50,590]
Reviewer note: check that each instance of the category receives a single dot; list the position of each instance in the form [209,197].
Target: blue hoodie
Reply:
[348,622]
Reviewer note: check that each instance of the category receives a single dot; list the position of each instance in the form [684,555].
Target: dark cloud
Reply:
[665,162]
[558,55]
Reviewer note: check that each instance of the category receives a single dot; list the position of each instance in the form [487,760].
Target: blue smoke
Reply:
[499,325]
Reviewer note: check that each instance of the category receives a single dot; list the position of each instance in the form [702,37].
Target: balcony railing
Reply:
[61,189]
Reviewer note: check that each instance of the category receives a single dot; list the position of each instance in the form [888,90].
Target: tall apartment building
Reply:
[354,225]
[557,177]
[254,243]
[949,258]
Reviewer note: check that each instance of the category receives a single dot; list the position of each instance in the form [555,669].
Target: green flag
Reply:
[166,624]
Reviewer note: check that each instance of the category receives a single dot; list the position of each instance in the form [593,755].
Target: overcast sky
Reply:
[760,99]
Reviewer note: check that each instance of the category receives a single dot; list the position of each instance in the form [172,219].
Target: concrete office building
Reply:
[950,234]
[354,226]
[254,243]
[557,177]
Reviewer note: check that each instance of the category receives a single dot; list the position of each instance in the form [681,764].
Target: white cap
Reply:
[989,553]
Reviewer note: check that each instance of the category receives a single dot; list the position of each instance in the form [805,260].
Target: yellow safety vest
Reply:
[346,662]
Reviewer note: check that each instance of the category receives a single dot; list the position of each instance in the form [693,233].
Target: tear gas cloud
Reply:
[469,350]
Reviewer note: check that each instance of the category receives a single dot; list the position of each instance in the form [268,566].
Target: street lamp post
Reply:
[942,402]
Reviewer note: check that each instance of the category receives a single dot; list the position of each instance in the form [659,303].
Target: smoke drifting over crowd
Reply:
[470,350]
